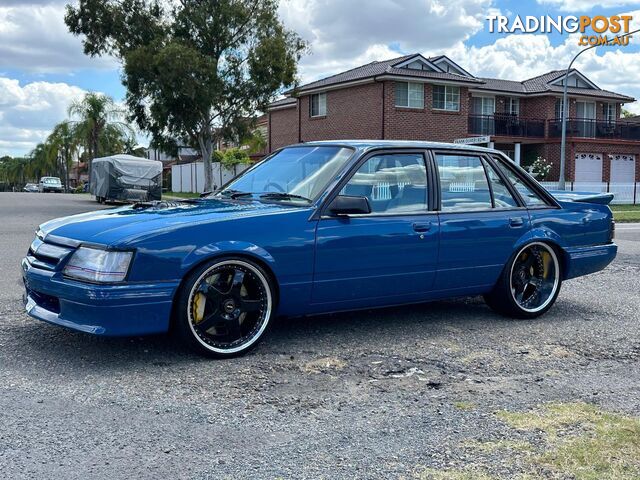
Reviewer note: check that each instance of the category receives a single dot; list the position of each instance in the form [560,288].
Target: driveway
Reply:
[375,394]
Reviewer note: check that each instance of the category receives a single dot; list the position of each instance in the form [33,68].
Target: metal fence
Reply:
[189,177]
[624,193]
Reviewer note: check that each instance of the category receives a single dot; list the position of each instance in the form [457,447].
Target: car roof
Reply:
[371,144]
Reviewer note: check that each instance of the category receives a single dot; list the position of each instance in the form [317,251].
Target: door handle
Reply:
[516,222]
[422,227]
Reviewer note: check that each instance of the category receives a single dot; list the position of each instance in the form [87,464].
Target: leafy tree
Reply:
[624,113]
[195,70]
[234,156]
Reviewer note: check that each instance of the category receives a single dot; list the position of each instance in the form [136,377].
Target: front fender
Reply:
[227,247]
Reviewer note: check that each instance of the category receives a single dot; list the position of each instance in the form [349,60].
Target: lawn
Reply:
[626,213]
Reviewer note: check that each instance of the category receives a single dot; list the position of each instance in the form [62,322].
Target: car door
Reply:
[388,255]
[481,220]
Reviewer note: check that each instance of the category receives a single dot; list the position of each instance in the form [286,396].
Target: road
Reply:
[377,394]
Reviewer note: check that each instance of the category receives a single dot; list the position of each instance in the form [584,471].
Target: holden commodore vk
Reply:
[315,228]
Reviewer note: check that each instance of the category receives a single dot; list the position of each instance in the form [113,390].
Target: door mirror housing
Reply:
[349,204]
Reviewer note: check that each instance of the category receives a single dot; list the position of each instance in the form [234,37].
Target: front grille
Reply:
[47,256]
[45,301]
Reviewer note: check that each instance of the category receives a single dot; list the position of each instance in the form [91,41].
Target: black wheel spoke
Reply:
[209,321]
[233,329]
[236,283]
[249,306]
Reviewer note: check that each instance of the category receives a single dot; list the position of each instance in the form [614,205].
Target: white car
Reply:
[50,184]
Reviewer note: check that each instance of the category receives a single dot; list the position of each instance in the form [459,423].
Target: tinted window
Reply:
[531,199]
[502,197]
[392,183]
[463,183]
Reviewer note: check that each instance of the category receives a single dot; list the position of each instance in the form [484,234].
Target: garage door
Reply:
[623,168]
[588,167]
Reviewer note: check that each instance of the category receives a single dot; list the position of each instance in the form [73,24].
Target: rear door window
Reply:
[463,183]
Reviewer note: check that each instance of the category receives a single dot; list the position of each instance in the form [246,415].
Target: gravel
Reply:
[372,394]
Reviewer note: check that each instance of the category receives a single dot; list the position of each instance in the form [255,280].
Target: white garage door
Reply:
[588,167]
[623,168]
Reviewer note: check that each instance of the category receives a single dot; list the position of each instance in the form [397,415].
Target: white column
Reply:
[516,154]
[492,145]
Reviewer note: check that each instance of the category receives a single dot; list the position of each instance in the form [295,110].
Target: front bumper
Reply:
[585,260]
[110,310]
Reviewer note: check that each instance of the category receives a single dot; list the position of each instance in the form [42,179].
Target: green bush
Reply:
[234,156]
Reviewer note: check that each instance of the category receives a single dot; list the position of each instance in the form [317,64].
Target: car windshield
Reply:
[51,180]
[295,174]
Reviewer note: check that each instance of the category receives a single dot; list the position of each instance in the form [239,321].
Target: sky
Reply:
[43,69]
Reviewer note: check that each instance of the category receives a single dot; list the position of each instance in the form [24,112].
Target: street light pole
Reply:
[563,141]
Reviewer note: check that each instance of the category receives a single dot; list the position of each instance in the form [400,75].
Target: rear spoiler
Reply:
[583,197]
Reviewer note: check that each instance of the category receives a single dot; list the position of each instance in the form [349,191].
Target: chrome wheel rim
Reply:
[229,306]
[534,278]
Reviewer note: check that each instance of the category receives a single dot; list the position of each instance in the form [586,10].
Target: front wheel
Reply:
[529,283]
[224,307]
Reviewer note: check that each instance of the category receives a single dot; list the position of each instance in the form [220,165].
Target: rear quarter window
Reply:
[529,196]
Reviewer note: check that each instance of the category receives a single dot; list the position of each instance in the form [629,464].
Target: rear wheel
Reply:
[224,307]
[529,283]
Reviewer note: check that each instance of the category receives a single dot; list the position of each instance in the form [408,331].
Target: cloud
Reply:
[34,38]
[345,34]
[585,5]
[29,112]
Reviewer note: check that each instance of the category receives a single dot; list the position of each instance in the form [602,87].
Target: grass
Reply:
[583,442]
[626,213]
[469,473]
[181,194]
[464,405]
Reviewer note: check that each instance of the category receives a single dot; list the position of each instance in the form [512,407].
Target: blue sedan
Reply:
[315,228]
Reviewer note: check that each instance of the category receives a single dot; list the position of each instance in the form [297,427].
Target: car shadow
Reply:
[347,330]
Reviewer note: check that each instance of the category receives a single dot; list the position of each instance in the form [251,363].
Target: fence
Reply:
[624,193]
[189,177]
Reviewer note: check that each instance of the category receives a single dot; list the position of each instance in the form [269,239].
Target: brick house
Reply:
[418,98]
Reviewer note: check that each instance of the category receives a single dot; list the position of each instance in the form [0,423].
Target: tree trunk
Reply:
[206,149]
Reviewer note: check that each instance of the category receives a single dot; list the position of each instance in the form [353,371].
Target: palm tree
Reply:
[63,145]
[98,117]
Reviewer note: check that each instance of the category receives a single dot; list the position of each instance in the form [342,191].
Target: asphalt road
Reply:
[376,394]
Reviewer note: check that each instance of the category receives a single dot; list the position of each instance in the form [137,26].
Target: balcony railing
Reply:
[505,125]
[588,128]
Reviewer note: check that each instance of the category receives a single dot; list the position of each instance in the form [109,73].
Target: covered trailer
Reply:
[126,178]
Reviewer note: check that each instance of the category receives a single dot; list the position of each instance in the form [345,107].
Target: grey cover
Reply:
[126,178]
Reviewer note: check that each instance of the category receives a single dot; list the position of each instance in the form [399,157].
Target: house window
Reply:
[559,109]
[409,94]
[484,105]
[513,106]
[318,104]
[446,97]
[610,112]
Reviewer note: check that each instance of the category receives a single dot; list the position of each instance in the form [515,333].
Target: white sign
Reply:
[472,140]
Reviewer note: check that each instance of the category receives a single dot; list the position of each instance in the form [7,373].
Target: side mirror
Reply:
[349,204]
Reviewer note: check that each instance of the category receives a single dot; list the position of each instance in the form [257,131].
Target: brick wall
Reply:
[283,128]
[352,113]
[426,123]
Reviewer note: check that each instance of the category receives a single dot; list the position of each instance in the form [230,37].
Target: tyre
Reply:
[529,284]
[224,307]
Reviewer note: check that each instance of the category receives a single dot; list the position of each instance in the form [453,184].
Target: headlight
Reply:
[97,265]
